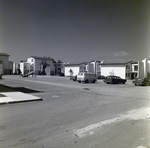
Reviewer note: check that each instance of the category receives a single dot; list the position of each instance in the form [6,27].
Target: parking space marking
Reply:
[136,114]
[55,96]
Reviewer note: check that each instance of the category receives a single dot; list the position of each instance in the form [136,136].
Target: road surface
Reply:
[74,115]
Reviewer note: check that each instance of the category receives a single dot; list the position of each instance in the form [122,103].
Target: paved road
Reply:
[75,115]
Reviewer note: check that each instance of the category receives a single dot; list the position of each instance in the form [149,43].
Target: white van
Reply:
[86,77]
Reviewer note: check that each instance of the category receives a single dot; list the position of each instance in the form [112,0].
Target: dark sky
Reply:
[75,30]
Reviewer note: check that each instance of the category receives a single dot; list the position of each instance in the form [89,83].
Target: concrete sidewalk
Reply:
[17,97]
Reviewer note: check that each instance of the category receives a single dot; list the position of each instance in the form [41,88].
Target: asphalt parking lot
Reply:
[75,115]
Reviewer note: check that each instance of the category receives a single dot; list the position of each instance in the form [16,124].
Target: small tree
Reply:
[71,72]
[57,66]
[111,73]
[43,67]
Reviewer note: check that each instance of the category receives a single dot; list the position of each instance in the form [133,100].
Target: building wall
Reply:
[94,67]
[24,67]
[49,69]
[91,67]
[75,70]
[141,70]
[5,59]
[16,66]
[36,65]
[10,67]
[131,70]
[1,67]
[148,67]
[144,68]
[113,70]
[98,69]
[83,67]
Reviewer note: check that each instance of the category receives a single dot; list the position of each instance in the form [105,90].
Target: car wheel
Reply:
[123,83]
[93,81]
[107,82]
[135,84]
[86,81]
[79,81]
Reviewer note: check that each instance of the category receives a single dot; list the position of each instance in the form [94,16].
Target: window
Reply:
[136,68]
[81,74]
[127,66]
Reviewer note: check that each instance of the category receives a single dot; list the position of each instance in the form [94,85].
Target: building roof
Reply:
[95,61]
[74,64]
[4,54]
[43,58]
[117,63]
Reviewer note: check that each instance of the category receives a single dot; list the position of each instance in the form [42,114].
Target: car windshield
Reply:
[80,73]
[112,76]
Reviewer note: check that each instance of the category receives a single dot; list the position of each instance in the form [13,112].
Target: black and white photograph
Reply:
[74,73]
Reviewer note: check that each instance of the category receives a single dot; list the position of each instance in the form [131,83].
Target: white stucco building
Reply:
[92,67]
[74,69]
[37,64]
[118,69]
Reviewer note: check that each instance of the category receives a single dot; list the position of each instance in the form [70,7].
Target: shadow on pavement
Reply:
[5,88]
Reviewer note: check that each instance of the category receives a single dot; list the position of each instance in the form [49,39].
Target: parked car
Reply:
[101,77]
[74,78]
[143,81]
[61,74]
[114,80]
[86,77]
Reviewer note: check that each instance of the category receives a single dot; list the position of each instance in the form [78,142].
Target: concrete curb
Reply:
[21,101]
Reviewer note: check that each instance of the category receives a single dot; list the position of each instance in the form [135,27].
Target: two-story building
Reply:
[40,65]
[126,70]
[74,69]
[131,70]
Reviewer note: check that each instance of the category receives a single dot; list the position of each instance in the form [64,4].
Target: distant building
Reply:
[40,65]
[119,69]
[132,70]
[59,67]
[7,65]
[74,69]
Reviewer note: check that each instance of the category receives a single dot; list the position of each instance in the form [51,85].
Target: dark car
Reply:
[114,80]
[74,78]
[61,74]
[101,77]
[143,81]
